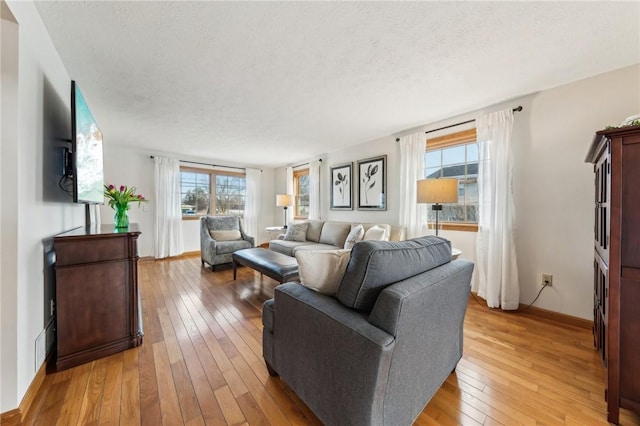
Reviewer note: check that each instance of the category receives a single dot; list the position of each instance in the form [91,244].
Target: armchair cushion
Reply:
[373,266]
[226,235]
[228,247]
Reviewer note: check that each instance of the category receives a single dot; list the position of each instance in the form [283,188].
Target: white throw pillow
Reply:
[230,235]
[356,234]
[374,233]
[322,270]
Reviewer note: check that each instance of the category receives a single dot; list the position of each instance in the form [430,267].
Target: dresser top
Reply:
[102,230]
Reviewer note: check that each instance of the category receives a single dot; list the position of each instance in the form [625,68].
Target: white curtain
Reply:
[495,246]
[412,214]
[252,204]
[168,233]
[314,189]
[289,184]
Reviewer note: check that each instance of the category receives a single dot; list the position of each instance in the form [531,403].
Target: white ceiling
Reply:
[270,83]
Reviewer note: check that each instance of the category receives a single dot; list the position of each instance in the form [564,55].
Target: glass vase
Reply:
[121,218]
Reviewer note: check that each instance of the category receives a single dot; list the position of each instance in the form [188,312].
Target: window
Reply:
[301,194]
[206,191]
[455,155]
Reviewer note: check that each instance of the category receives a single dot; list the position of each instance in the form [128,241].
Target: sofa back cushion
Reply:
[334,233]
[314,230]
[376,264]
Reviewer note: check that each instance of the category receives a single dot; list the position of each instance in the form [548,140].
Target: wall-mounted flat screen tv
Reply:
[88,167]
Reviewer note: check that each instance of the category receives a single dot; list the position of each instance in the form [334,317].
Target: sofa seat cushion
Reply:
[376,264]
[227,247]
[334,233]
[315,247]
[287,247]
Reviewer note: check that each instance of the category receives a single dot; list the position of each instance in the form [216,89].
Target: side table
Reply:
[274,231]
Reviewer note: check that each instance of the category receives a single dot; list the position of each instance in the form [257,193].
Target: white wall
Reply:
[553,185]
[42,83]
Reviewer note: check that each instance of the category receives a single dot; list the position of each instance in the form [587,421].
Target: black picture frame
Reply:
[372,183]
[341,186]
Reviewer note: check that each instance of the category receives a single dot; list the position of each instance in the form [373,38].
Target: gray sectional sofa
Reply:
[377,352]
[330,235]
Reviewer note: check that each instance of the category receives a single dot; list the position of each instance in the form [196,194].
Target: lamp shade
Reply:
[441,190]
[284,200]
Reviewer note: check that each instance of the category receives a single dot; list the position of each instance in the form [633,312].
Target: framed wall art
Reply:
[342,187]
[372,183]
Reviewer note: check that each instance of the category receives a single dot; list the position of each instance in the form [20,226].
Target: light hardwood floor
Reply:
[201,363]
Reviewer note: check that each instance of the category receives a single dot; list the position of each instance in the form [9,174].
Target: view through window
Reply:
[212,192]
[455,156]
[301,193]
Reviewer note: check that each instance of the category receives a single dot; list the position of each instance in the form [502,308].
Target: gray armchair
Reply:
[377,353]
[230,238]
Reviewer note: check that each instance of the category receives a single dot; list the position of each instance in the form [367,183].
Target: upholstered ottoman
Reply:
[280,267]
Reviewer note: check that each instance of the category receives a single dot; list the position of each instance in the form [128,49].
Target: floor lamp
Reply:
[284,200]
[437,191]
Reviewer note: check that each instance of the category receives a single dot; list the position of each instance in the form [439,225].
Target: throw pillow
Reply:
[230,235]
[356,234]
[297,232]
[322,270]
[374,233]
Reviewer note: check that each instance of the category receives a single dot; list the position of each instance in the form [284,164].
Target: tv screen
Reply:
[88,171]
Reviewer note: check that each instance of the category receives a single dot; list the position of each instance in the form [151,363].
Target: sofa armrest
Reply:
[447,283]
[205,237]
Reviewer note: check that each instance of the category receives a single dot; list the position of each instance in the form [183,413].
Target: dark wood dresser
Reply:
[98,308]
[615,154]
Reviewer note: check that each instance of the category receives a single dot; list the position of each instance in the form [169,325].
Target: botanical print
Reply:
[341,187]
[373,184]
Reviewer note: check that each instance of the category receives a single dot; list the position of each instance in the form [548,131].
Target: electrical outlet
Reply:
[52,307]
[547,279]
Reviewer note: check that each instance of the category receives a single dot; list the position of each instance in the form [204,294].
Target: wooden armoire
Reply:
[615,154]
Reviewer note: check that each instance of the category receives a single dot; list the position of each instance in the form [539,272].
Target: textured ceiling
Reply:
[270,83]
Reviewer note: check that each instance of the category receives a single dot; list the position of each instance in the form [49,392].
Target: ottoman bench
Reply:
[280,267]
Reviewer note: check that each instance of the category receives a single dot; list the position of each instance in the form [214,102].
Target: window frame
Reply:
[450,140]
[296,185]
[212,187]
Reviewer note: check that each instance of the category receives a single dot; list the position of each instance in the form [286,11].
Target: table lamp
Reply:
[284,200]
[437,191]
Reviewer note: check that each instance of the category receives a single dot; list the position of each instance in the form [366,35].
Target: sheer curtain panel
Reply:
[314,189]
[495,245]
[252,204]
[412,214]
[168,233]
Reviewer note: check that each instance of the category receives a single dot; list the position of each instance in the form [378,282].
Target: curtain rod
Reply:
[516,109]
[211,165]
[304,164]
